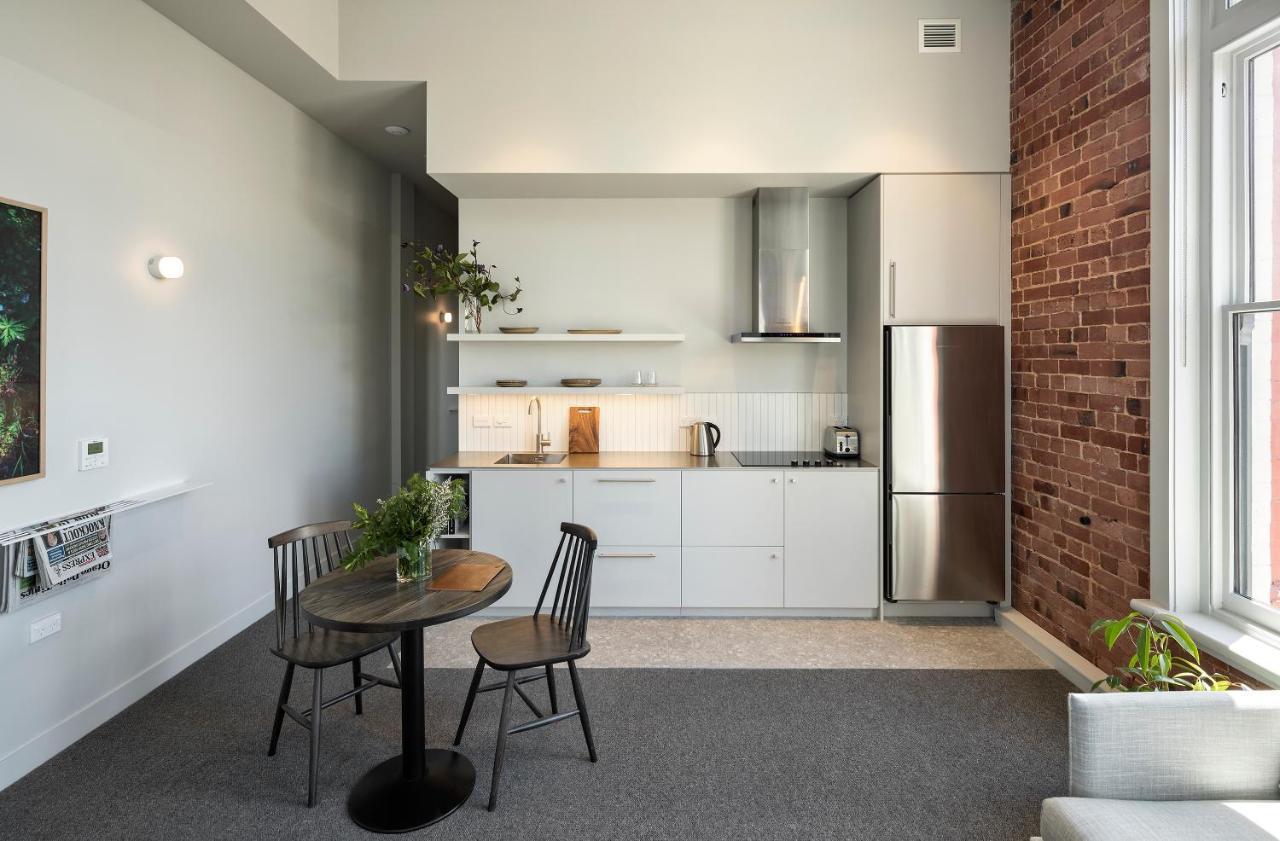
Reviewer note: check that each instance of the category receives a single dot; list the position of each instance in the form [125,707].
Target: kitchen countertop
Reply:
[621,461]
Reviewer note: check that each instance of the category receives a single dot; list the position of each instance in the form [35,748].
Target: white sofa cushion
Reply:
[1175,745]
[1098,819]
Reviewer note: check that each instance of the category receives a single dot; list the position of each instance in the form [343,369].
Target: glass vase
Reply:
[413,562]
[471,313]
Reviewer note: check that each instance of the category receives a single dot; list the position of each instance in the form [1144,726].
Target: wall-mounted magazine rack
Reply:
[58,552]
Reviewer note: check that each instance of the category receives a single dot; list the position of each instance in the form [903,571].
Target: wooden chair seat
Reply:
[321,648]
[523,642]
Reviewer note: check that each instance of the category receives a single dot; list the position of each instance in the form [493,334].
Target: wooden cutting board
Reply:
[584,429]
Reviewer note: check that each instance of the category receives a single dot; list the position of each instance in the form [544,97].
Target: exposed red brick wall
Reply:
[1080,131]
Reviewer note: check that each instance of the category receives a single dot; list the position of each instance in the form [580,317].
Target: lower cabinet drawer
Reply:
[636,576]
[736,576]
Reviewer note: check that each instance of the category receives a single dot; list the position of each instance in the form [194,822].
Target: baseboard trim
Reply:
[47,744]
[941,610]
[1050,649]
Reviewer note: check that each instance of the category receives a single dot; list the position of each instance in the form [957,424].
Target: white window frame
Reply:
[1200,148]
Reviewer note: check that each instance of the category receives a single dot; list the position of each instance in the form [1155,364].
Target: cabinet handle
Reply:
[893,288]
[561,480]
[626,555]
[774,480]
[626,481]
[773,556]
[791,481]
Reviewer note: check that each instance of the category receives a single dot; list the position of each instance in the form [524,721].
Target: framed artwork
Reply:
[24,232]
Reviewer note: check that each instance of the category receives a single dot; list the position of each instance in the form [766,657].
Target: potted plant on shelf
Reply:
[434,272]
[405,524]
[1155,666]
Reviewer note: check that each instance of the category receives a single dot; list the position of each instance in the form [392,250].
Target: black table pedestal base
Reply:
[384,801]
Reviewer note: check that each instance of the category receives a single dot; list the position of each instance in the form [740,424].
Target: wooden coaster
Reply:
[472,577]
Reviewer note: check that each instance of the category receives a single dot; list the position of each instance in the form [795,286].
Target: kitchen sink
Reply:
[531,458]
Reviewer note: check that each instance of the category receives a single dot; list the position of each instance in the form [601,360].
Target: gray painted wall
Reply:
[259,371]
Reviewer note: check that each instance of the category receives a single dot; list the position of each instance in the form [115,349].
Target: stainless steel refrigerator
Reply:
[945,523]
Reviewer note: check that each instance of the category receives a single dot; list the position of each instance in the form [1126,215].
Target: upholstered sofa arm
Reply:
[1176,745]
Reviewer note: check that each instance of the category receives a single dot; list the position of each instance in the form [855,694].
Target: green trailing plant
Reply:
[1164,656]
[407,520]
[435,272]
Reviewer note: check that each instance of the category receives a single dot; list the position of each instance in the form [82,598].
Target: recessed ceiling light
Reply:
[398,131]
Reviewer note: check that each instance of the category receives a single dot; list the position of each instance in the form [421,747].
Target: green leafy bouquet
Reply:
[416,514]
[437,271]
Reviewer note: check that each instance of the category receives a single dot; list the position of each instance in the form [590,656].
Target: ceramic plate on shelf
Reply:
[595,331]
[580,382]
[512,383]
[519,330]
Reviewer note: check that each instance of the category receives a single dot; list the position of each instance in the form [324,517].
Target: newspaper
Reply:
[72,546]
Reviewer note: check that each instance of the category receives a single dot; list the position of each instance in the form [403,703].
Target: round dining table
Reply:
[420,786]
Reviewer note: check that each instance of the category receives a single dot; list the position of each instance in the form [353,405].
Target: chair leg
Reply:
[395,662]
[317,701]
[551,689]
[471,699]
[285,686]
[503,720]
[355,683]
[582,710]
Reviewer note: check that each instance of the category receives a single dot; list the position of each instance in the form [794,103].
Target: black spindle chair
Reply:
[301,556]
[539,642]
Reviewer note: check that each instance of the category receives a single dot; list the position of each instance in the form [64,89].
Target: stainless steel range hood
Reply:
[780,268]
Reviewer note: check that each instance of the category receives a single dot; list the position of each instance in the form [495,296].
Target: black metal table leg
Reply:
[420,786]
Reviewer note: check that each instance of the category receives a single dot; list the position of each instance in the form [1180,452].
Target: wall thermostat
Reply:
[93,453]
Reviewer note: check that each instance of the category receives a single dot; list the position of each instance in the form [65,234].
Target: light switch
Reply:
[502,422]
[93,453]
[481,421]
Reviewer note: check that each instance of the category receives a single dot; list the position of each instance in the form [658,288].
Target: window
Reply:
[1246,236]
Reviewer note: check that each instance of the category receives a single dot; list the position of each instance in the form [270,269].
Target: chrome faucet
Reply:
[542,441]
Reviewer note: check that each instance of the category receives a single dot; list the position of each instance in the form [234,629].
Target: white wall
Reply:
[260,371]
[649,265]
[311,24]
[673,86]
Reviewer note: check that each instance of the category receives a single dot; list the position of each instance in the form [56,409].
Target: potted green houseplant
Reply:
[405,524]
[434,272]
[1156,664]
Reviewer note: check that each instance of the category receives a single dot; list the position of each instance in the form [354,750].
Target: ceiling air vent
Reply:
[940,36]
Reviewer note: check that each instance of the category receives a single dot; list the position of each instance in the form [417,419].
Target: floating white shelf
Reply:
[565,337]
[19,533]
[560,389]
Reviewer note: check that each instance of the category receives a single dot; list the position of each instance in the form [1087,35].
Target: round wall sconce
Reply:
[165,268]
[446,318]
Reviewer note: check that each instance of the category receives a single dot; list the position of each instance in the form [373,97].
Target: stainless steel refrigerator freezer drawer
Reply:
[946,420]
[946,547]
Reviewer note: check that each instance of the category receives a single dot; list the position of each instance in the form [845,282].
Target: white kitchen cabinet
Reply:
[832,539]
[732,507]
[732,576]
[516,515]
[629,507]
[945,247]
[636,576]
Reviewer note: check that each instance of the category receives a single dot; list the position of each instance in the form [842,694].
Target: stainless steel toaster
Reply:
[841,442]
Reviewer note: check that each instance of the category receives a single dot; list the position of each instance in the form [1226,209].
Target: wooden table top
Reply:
[370,600]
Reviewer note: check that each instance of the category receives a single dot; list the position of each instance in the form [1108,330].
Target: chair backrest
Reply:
[574,557]
[300,556]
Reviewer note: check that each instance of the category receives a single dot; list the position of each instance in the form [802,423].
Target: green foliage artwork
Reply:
[22,256]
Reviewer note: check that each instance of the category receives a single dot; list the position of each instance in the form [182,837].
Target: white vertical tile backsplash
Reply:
[641,422]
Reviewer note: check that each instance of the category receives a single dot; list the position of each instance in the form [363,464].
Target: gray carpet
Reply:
[687,754]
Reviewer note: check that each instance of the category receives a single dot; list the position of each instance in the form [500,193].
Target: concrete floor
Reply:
[687,643]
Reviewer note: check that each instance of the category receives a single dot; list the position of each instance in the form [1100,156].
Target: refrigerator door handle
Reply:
[893,547]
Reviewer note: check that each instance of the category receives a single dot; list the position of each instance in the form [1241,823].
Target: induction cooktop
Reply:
[792,458]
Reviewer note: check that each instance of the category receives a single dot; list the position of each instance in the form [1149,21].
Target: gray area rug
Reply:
[684,754]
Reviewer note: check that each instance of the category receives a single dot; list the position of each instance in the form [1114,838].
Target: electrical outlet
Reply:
[45,627]
[502,423]
[481,421]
